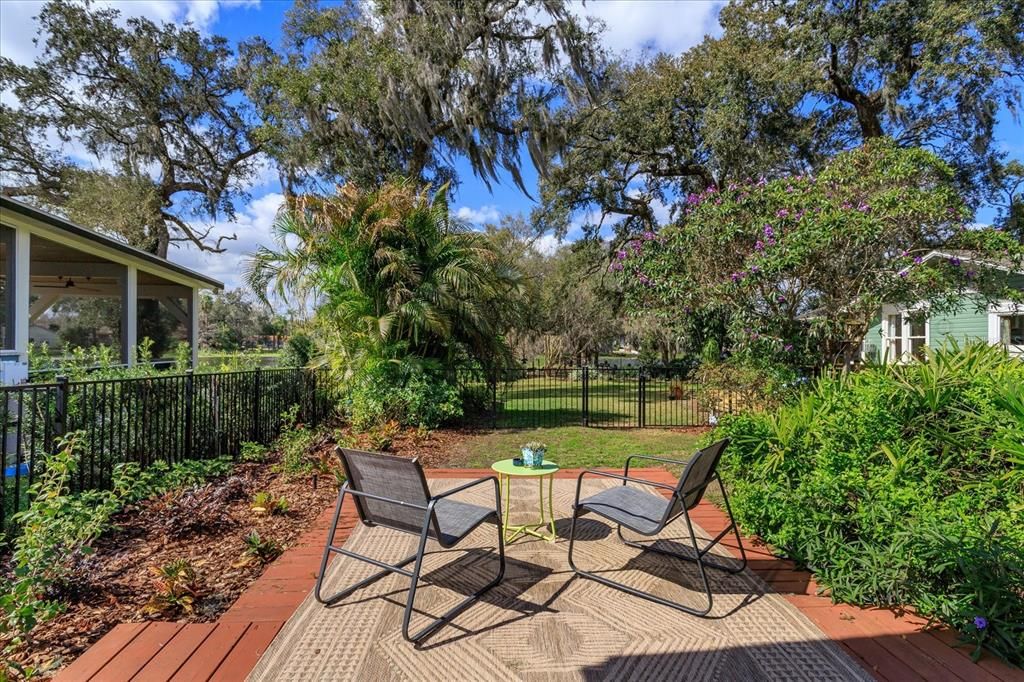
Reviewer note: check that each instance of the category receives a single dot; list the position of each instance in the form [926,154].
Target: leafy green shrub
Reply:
[899,485]
[295,444]
[739,384]
[299,349]
[253,452]
[386,392]
[56,531]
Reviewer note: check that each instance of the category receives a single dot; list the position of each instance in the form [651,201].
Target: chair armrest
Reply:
[621,477]
[652,458]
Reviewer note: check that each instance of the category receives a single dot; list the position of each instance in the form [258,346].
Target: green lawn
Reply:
[556,399]
[576,446]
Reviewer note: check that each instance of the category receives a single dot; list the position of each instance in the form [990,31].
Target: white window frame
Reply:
[997,310]
[905,328]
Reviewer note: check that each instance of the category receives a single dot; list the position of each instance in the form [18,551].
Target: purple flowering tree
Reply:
[803,263]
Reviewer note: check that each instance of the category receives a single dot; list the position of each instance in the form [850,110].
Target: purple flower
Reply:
[782,299]
[903,274]
[643,279]
[648,236]
[754,268]
[770,241]
[737,276]
[789,188]
[788,347]
[954,261]
[971,274]
[635,246]
[759,245]
[615,267]
[620,254]
[768,231]
[781,213]
[732,186]
[863,208]
[762,182]
[799,214]
[980,622]
[904,254]
[692,199]
[847,205]
[918,260]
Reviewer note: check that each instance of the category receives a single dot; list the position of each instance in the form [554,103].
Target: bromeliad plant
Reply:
[176,586]
[899,485]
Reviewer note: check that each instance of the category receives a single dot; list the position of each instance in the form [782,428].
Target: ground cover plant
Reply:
[167,542]
[899,485]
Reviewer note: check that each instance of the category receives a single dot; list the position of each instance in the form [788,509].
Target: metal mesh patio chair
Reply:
[648,513]
[392,492]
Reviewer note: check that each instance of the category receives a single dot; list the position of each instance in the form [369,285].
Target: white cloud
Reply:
[252,225]
[478,216]
[547,244]
[18,24]
[638,26]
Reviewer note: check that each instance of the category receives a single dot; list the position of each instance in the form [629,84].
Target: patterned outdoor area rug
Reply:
[541,623]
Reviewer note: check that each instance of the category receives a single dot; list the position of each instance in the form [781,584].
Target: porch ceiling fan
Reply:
[69,283]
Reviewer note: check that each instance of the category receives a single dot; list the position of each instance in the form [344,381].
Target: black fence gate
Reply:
[603,397]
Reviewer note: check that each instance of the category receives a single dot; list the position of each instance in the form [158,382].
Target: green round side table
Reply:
[506,471]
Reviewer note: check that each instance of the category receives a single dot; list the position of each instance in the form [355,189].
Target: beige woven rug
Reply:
[541,623]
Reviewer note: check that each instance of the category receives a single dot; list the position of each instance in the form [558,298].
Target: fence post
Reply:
[60,412]
[494,398]
[256,404]
[190,394]
[586,396]
[641,391]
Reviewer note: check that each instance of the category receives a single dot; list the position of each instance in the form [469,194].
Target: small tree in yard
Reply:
[803,263]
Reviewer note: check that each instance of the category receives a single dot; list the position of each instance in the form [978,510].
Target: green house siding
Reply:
[963,325]
[967,324]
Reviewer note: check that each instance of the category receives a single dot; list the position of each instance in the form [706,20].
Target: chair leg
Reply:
[329,547]
[435,624]
[640,593]
[701,552]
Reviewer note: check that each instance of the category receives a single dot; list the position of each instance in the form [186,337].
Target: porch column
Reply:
[129,314]
[18,292]
[192,310]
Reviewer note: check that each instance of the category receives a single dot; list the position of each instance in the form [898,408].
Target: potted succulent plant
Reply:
[533,454]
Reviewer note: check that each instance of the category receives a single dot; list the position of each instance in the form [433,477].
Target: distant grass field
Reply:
[577,446]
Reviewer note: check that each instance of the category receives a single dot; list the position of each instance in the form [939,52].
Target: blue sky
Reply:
[634,27]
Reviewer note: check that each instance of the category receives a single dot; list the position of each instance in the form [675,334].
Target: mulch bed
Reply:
[116,582]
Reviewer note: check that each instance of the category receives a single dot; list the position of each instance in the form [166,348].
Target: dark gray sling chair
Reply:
[648,513]
[392,492]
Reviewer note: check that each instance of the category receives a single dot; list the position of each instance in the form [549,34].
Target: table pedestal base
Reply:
[547,521]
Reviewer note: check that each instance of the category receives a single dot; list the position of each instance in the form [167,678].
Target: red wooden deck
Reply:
[891,647]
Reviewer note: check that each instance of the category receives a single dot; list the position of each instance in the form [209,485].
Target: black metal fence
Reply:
[610,397]
[164,417]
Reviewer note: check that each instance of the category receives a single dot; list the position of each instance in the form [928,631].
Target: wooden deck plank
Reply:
[247,652]
[166,663]
[100,653]
[134,657]
[209,655]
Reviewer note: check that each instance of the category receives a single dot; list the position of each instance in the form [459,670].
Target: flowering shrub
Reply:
[803,263]
[899,485]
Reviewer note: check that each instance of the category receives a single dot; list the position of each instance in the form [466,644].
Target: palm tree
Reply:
[391,275]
